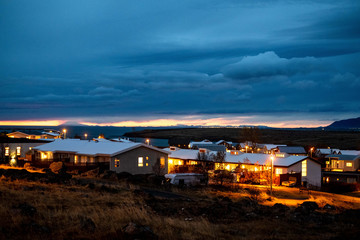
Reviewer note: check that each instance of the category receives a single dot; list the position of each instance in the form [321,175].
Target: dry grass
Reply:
[62,209]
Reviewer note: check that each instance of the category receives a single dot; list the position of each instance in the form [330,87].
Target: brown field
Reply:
[317,138]
[95,208]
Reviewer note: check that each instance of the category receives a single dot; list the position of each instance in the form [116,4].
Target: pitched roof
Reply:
[23,140]
[250,158]
[88,147]
[292,150]
[343,157]
[349,152]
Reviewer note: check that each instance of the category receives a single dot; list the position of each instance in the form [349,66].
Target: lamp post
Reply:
[271,181]
[85,136]
[246,147]
[64,131]
[311,150]
[147,141]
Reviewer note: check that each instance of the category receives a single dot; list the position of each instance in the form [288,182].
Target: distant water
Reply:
[91,131]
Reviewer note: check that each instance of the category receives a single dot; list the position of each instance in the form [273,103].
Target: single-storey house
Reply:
[296,151]
[135,158]
[15,150]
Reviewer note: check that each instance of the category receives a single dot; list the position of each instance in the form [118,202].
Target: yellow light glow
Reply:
[227,167]
[32,123]
[12,162]
[170,161]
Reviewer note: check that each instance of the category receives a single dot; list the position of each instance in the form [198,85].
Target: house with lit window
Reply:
[49,134]
[17,150]
[296,150]
[134,158]
[306,170]
[342,168]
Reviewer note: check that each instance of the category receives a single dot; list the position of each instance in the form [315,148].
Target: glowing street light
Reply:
[85,136]
[64,131]
[272,166]
[147,141]
[246,147]
[311,150]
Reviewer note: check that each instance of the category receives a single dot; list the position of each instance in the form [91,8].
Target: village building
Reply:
[322,152]
[296,151]
[49,134]
[306,170]
[134,158]
[342,168]
[16,151]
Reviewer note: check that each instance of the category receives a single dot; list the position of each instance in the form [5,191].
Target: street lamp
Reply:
[85,136]
[246,147]
[64,131]
[272,166]
[147,141]
[311,150]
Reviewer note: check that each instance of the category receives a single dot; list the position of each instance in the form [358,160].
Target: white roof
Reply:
[272,146]
[349,152]
[327,150]
[184,153]
[221,141]
[198,143]
[88,147]
[262,159]
[251,158]
[51,134]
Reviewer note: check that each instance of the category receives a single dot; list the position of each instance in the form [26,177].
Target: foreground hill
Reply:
[313,137]
[131,207]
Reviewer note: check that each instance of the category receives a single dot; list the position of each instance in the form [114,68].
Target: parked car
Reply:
[186,179]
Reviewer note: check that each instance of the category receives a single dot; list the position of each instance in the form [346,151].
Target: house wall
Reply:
[313,175]
[129,161]
[25,147]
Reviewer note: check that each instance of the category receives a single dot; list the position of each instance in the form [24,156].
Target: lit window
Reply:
[140,161]
[76,159]
[162,162]
[18,151]
[278,171]
[7,151]
[170,161]
[117,163]
[147,164]
[304,168]
[349,164]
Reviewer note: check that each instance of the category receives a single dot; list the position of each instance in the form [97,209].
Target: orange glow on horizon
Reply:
[209,123]
[32,123]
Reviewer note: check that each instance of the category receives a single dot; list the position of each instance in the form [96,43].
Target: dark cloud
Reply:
[121,59]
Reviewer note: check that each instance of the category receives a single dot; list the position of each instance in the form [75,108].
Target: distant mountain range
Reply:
[353,123]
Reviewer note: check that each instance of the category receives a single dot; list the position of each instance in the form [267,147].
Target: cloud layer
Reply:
[119,60]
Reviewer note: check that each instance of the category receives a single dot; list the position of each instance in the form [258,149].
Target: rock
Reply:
[58,167]
[310,205]
[135,231]
[278,207]
[27,210]
[87,224]
[329,207]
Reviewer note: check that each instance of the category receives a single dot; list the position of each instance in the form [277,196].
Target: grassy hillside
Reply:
[96,208]
[317,138]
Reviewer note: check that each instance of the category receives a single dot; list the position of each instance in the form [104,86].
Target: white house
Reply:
[135,158]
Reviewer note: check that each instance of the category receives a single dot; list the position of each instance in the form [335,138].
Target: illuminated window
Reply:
[162,162]
[18,151]
[76,159]
[278,171]
[7,151]
[304,168]
[202,150]
[349,164]
[147,164]
[117,163]
[140,161]
[234,153]
[170,161]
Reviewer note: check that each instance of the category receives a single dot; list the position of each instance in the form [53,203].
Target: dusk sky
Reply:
[209,62]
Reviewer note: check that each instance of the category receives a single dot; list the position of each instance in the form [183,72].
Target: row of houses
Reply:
[122,155]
